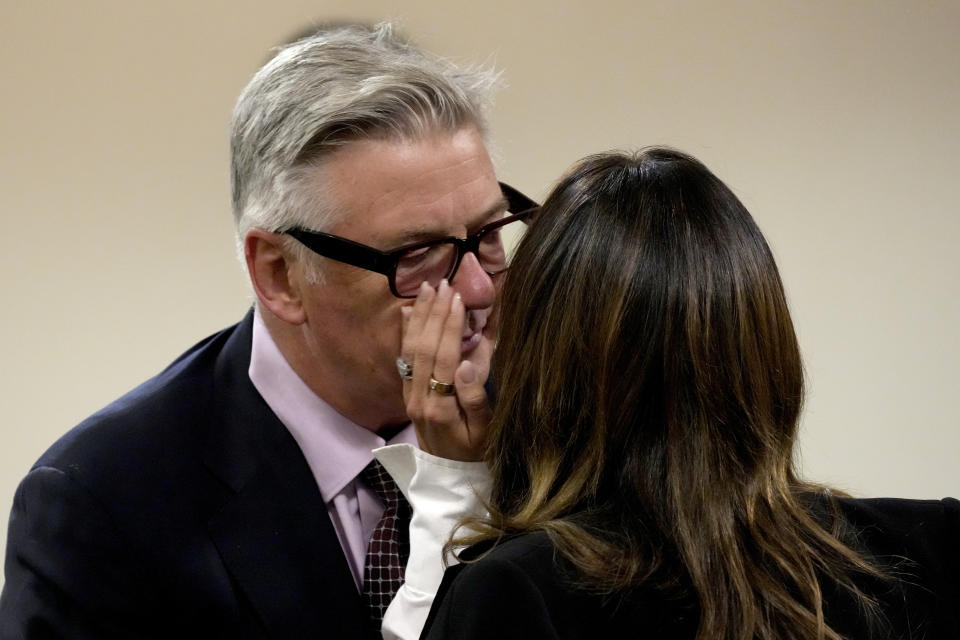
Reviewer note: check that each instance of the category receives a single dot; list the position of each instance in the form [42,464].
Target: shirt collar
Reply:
[336,448]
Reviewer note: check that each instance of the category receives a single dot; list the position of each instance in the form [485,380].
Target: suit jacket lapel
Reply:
[274,534]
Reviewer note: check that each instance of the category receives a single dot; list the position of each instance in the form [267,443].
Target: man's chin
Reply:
[470,343]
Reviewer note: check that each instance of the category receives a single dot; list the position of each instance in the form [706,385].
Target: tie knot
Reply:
[380,481]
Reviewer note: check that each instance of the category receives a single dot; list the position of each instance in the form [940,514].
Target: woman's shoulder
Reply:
[530,557]
[896,532]
[916,543]
[509,588]
[898,525]
[536,592]
[945,511]
[523,548]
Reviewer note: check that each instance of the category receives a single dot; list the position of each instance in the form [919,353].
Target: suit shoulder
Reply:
[528,559]
[914,542]
[924,531]
[538,590]
[158,410]
[901,518]
[498,592]
[137,455]
[523,549]
[525,588]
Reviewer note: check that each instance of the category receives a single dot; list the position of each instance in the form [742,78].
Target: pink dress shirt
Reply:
[335,448]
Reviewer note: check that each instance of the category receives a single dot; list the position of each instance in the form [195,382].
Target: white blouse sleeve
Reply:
[441,492]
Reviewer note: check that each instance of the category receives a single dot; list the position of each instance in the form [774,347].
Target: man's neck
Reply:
[371,410]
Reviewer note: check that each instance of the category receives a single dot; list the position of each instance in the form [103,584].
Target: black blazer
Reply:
[521,589]
[183,509]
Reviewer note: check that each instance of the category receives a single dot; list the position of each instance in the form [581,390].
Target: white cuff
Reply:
[441,492]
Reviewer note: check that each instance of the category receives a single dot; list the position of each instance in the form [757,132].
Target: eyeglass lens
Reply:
[435,262]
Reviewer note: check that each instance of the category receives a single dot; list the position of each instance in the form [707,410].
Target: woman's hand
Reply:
[449,425]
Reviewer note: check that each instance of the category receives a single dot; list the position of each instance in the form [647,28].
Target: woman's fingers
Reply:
[448,350]
[450,420]
[473,400]
[413,320]
[405,356]
[405,313]
[426,328]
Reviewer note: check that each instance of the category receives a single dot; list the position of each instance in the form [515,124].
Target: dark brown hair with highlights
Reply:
[649,386]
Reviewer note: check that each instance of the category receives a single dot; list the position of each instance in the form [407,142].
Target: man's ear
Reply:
[271,275]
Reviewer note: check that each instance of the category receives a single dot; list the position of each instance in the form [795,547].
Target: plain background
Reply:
[837,123]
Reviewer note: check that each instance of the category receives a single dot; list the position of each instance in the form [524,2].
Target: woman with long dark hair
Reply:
[648,392]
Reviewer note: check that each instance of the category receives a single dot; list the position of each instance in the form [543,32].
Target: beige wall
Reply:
[836,122]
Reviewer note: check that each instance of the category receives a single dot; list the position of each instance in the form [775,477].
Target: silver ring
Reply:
[443,388]
[405,369]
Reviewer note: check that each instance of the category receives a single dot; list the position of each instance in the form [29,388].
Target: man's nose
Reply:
[475,287]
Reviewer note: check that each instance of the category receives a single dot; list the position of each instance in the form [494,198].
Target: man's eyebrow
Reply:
[499,206]
[423,235]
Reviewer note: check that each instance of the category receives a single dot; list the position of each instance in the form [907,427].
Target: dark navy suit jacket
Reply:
[183,509]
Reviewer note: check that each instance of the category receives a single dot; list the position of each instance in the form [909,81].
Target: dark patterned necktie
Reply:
[389,546]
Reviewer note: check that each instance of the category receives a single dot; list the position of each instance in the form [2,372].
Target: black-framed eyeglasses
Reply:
[429,261]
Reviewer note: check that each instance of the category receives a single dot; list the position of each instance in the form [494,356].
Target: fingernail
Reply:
[424,290]
[443,285]
[406,311]
[456,300]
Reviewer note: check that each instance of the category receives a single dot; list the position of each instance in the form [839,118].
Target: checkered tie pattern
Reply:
[389,546]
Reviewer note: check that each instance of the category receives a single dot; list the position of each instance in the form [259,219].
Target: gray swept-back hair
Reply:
[341,84]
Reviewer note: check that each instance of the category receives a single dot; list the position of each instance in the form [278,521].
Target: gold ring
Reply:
[443,388]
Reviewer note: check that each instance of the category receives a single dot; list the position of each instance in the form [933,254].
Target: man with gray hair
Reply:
[235,494]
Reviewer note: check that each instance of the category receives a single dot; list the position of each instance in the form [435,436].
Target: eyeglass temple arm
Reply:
[516,201]
[343,250]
